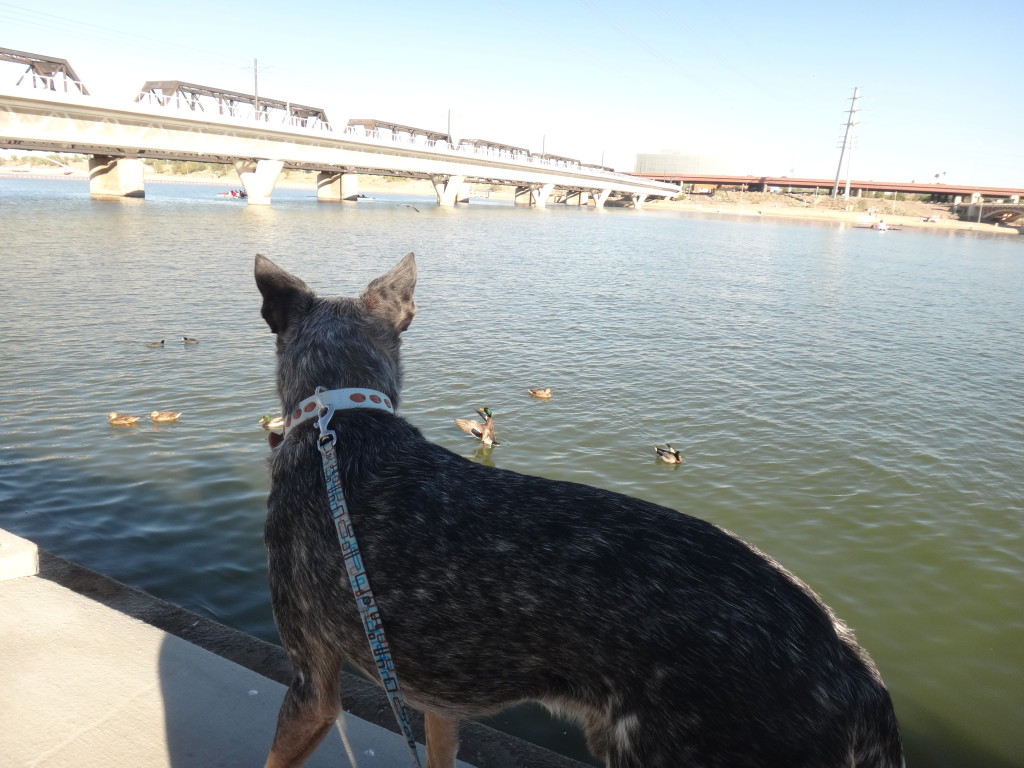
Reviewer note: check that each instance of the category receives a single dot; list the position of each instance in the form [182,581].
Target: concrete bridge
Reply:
[168,121]
[954,193]
[1009,214]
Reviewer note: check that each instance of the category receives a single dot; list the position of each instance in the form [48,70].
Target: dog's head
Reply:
[337,342]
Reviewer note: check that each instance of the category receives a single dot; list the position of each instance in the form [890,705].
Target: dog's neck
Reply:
[336,400]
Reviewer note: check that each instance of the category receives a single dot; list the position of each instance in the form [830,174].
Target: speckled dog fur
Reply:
[673,643]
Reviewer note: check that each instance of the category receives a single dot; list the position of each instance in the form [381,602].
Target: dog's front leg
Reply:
[442,740]
[306,715]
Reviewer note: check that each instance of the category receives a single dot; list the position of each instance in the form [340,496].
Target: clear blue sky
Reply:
[763,84]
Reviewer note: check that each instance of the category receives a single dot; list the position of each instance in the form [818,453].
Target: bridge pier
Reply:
[638,201]
[335,187]
[541,193]
[116,177]
[450,189]
[258,178]
[601,198]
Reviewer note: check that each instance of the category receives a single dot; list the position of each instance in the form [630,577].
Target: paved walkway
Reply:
[86,684]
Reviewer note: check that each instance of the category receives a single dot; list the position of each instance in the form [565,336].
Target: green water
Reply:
[848,401]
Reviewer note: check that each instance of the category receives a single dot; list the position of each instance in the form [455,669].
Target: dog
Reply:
[672,642]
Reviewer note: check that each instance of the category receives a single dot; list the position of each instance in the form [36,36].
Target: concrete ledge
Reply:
[18,556]
[481,746]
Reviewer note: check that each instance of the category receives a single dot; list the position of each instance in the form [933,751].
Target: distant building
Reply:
[677,162]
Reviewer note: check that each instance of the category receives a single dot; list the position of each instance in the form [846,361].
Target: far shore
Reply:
[908,214]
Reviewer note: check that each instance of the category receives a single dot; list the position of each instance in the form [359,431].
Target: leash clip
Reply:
[328,437]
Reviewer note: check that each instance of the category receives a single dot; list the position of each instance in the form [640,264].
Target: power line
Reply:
[48,21]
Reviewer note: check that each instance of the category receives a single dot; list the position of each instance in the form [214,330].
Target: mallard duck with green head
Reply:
[271,422]
[482,432]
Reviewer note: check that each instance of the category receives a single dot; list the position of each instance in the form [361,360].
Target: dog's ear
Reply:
[390,296]
[284,295]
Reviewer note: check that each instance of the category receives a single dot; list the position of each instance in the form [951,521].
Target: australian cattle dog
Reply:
[669,640]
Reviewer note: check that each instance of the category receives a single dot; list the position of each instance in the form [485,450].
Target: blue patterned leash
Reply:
[359,581]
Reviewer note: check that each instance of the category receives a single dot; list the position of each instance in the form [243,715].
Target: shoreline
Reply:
[810,213]
[757,205]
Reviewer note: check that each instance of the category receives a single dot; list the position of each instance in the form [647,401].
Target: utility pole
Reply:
[256,86]
[847,148]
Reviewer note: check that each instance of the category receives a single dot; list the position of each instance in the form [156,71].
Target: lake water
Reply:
[849,401]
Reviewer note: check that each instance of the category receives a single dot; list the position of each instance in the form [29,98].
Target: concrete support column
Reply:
[447,188]
[334,187]
[638,201]
[464,193]
[601,197]
[258,178]
[1015,199]
[523,196]
[584,198]
[116,176]
[975,197]
[541,194]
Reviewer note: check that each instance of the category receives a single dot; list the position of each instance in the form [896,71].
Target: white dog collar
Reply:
[336,400]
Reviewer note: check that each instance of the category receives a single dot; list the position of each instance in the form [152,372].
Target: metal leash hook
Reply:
[328,437]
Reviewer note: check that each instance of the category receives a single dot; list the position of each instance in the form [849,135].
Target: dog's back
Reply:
[673,642]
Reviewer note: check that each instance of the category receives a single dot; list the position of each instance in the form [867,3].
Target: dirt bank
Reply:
[908,213]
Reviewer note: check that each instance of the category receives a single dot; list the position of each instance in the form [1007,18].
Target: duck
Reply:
[668,454]
[155,343]
[162,417]
[482,432]
[122,419]
[187,340]
[271,422]
[543,394]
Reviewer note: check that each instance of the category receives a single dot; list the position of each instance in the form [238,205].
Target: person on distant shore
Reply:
[880,225]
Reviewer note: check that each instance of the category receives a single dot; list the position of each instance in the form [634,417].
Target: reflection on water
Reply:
[851,404]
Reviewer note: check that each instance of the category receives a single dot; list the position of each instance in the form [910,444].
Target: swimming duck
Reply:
[668,454]
[187,340]
[162,417]
[483,432]
[121,419]
[271,422]
[155,343]
[543,394]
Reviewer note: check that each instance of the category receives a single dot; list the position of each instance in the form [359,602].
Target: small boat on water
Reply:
[877,228]
[237,194]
